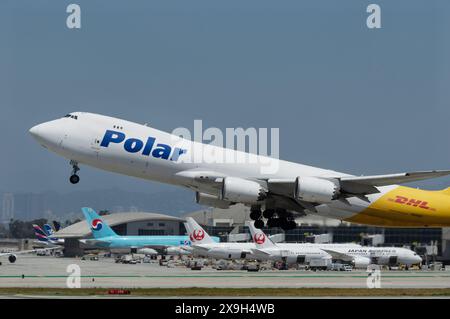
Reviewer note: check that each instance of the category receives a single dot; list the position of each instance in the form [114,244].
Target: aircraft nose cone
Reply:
[34,131]
[47,134]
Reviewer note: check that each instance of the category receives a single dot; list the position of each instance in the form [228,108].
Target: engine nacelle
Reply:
[316,190]
[211,200]
[361,262]
[12,258]
[241,190]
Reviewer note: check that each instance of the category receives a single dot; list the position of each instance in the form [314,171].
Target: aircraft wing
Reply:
[283,189]
[338,255]
[200,248]
[260,252]
[22,252]
[356,184]
[360,185]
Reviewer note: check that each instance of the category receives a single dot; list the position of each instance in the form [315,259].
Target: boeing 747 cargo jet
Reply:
[293,189]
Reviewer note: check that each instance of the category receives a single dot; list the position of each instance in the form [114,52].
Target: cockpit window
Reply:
[75,117]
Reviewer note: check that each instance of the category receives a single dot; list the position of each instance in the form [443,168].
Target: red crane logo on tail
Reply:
[199,234]
[259,238]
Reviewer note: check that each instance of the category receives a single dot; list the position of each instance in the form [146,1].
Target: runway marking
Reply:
[224,276]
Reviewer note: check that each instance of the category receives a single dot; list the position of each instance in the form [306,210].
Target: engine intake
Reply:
[316,190]
[241,190]
[361,262]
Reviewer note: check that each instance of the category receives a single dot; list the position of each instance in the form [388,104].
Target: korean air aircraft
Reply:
[105,237]
[278,196]
[357,255]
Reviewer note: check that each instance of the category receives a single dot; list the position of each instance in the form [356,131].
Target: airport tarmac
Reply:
[46,271]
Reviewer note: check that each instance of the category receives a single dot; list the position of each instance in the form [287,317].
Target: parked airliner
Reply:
[357,255]
[106,237]
[204,246]
[137,150]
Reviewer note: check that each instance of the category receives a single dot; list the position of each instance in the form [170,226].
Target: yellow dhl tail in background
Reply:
[408,207]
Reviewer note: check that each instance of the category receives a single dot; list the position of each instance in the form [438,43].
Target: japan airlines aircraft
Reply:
[294,189]
[105,237]
[203,245]
[359,256]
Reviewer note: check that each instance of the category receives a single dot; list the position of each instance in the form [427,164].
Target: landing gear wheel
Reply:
[259,224]
[74,179]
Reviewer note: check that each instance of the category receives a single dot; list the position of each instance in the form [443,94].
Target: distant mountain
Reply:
[28,206]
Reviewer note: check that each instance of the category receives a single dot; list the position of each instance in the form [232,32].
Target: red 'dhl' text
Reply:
[411,202]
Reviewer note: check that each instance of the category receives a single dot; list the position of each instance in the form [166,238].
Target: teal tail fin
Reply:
[96,224]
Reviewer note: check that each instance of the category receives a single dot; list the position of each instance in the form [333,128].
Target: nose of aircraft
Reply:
[34,131]
[46,133]
[418,259]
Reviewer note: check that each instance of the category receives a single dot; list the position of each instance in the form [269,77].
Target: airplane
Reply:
[204,245]
[279,197]
[43,236]
[42,239]
[50,233]
[12,256]
[359,256]
[105,237]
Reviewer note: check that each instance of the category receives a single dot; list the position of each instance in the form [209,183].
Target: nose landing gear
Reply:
[74,178]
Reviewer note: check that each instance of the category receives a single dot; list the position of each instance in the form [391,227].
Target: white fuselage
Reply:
[224,250]
[137,150]
[361,255]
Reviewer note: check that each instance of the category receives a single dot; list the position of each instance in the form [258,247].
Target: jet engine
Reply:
[211,200]
[316,190]
[12,258]
[241,190]
[361,262]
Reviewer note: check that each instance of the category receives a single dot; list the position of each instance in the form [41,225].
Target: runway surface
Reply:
[39,271]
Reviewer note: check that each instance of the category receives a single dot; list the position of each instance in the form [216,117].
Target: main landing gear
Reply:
[74,178]
[278,217]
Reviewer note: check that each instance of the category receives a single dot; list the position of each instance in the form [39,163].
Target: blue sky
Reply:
[344,97]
